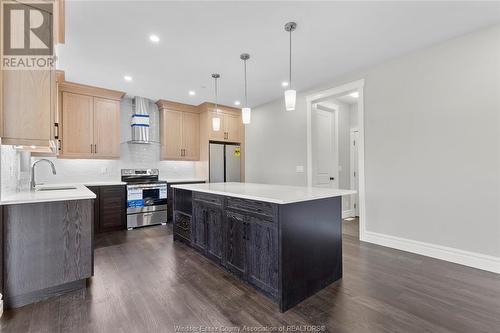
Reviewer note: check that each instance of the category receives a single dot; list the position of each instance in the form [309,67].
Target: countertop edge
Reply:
[259,198]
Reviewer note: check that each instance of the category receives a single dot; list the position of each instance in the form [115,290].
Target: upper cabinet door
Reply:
[106,128]
[77,123]
[221,133]
[171,135]
[27,106]
[234,127]
[191,136]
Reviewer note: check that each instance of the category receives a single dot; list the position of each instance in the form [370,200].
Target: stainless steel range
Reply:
[146,197]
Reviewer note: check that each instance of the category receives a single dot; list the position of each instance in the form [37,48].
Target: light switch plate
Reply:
[299,168]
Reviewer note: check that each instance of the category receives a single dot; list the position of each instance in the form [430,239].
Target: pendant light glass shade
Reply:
[216,124]
[246,112]
[216,118]
[246,115]
[290,98]
[290,94]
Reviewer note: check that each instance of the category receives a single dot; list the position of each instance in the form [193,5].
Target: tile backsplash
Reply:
[15,166]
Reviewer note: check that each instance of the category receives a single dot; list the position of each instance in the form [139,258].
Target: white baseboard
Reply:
[471,259]
[348,213]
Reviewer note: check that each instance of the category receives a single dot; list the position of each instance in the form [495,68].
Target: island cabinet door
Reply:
[214,234]
[199,239]
[262,254]
[235,256]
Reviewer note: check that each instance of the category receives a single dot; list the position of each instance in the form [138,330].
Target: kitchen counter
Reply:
[81,192]
[183,180]
[286,241]
[278,194]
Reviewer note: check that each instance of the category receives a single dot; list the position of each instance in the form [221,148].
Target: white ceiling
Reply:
[106,40]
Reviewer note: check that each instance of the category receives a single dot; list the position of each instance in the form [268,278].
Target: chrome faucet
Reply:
[33,182]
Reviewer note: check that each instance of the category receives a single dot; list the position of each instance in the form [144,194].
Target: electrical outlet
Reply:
[299,168]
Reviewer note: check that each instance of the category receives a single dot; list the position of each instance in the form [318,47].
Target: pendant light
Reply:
[216,118]
[290,94]
[246,112]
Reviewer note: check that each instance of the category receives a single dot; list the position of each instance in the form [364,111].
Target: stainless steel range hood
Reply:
[140,121]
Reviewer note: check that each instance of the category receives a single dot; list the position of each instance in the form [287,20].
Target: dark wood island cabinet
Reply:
[287,251]
[109,208]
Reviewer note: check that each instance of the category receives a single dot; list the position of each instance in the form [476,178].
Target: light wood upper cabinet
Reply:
[27,107]
[231,127]
[106,128]
[77,125]
[171,135]
[234,127]
[191,136]
[90,121]
[180,131]
[27,104]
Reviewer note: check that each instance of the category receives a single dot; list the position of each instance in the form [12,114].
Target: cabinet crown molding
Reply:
[207,106]
[82,89]
[203,107]
[175,106]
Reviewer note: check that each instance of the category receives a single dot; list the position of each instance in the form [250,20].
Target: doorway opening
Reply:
[335,146]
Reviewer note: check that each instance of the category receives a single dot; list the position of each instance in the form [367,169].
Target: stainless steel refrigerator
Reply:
[225,161]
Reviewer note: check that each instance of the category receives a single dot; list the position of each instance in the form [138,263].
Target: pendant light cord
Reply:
[216,98]
[246,97]
[290,69]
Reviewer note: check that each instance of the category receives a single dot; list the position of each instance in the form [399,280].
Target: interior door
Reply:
[78,125]
[171,135]
[106,128]
[216,163]
[355,171]
[191,136]
[233,163]
[323,149]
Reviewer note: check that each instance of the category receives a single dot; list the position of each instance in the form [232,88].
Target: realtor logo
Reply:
[27,35]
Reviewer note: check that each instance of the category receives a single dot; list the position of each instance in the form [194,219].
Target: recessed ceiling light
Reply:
[237,102]
[192,93]
[354,94]
[284,84]
[154,38]
[127,78]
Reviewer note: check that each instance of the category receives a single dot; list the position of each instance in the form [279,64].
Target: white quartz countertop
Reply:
[23,197]
[182,180]
[103,183]
[279,194]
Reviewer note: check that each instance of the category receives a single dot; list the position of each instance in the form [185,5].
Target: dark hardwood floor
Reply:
[144,282]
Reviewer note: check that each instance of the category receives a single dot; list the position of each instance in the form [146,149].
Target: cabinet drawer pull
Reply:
[91,148]
[95,148]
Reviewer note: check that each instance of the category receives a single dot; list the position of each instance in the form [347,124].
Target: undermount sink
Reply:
[55,188]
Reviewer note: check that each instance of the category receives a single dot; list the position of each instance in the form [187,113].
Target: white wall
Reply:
[432,145]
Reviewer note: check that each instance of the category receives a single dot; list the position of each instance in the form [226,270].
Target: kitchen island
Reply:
[45,242]
[285,241]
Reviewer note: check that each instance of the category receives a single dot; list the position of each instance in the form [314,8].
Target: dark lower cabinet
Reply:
[215,243]
[170,196]
[262,258]
[236,257]
[207,230]
[109,208]
[199,239]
